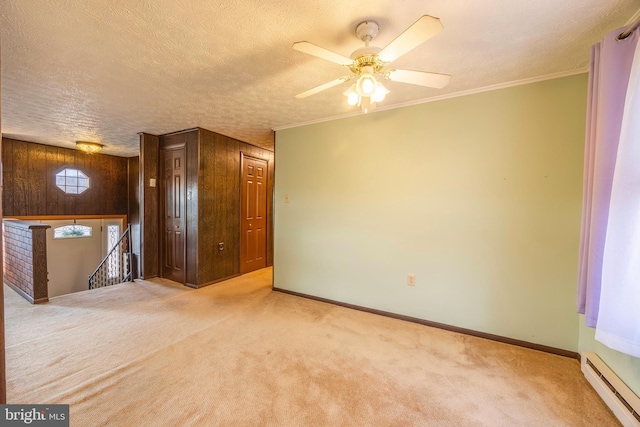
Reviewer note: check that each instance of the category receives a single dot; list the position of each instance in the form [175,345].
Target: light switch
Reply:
[286,198]
[411,279]
[152,182]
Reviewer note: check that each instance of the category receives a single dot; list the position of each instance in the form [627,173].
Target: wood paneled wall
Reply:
[148,206]
[213,203]
[30,187]
[133,210]
[219,207]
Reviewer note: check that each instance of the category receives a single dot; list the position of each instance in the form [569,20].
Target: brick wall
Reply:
[25,259]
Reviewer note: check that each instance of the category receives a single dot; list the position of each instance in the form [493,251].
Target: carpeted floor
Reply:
[155,353]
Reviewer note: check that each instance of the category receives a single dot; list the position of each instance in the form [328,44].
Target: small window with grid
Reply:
[72,181]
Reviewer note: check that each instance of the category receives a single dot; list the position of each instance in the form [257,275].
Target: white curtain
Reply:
[618,323]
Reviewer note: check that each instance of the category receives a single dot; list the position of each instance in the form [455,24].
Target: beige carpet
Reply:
[153,353]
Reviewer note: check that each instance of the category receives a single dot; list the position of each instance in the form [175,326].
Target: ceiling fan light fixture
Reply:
[89,147]
[380,93]
[367,62]
[352,96]
[366,84]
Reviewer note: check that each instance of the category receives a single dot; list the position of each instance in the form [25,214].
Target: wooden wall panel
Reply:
[149,225]
[213,202]
[7,172]
[233,208]
[193,197]
[69,202]
[98,180]
[133,210]
[223,224]
[37,176]
[207,208]
[219,192]
[51,163]
[211,191]
[20,180]
[29,178]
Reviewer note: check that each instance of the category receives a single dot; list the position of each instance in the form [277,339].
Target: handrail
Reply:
[116,266]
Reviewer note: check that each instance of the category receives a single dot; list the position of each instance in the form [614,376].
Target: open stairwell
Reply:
[117,265]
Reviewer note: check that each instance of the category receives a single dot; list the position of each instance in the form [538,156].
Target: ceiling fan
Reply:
[370,61]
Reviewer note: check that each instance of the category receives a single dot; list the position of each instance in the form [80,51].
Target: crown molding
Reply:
[442,97]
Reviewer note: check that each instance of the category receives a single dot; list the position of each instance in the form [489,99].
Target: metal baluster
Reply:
[117,261]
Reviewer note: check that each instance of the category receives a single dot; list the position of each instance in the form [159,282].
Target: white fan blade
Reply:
[321,52]
[421,31]
[325,86]
[419,78]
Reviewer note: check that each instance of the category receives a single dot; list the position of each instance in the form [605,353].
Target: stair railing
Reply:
[116,267]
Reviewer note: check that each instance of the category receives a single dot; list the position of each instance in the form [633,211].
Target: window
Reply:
[72,181]
[71,231]
[113,264]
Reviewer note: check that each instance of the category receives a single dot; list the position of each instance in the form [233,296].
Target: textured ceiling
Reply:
[104,70]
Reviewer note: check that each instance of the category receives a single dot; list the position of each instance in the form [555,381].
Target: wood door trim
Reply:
[173,145]
[161,209]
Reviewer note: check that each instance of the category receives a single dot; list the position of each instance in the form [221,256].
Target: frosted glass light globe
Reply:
[353,98]
[380,93]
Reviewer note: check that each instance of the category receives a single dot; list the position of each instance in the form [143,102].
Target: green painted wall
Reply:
[478,196]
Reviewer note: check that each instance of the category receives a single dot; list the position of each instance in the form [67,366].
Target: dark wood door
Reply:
[253,226]
[173,245]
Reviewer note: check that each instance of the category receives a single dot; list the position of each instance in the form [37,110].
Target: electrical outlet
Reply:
[221,246]
[411,279]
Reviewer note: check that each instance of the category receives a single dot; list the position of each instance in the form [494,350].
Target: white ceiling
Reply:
[104,70]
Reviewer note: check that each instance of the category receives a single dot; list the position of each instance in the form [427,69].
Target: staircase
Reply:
[117,266]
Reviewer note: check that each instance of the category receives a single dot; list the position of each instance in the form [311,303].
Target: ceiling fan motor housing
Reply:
[367,30]
[366,56]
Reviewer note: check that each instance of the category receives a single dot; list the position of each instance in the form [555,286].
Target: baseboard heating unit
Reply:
[624,403]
